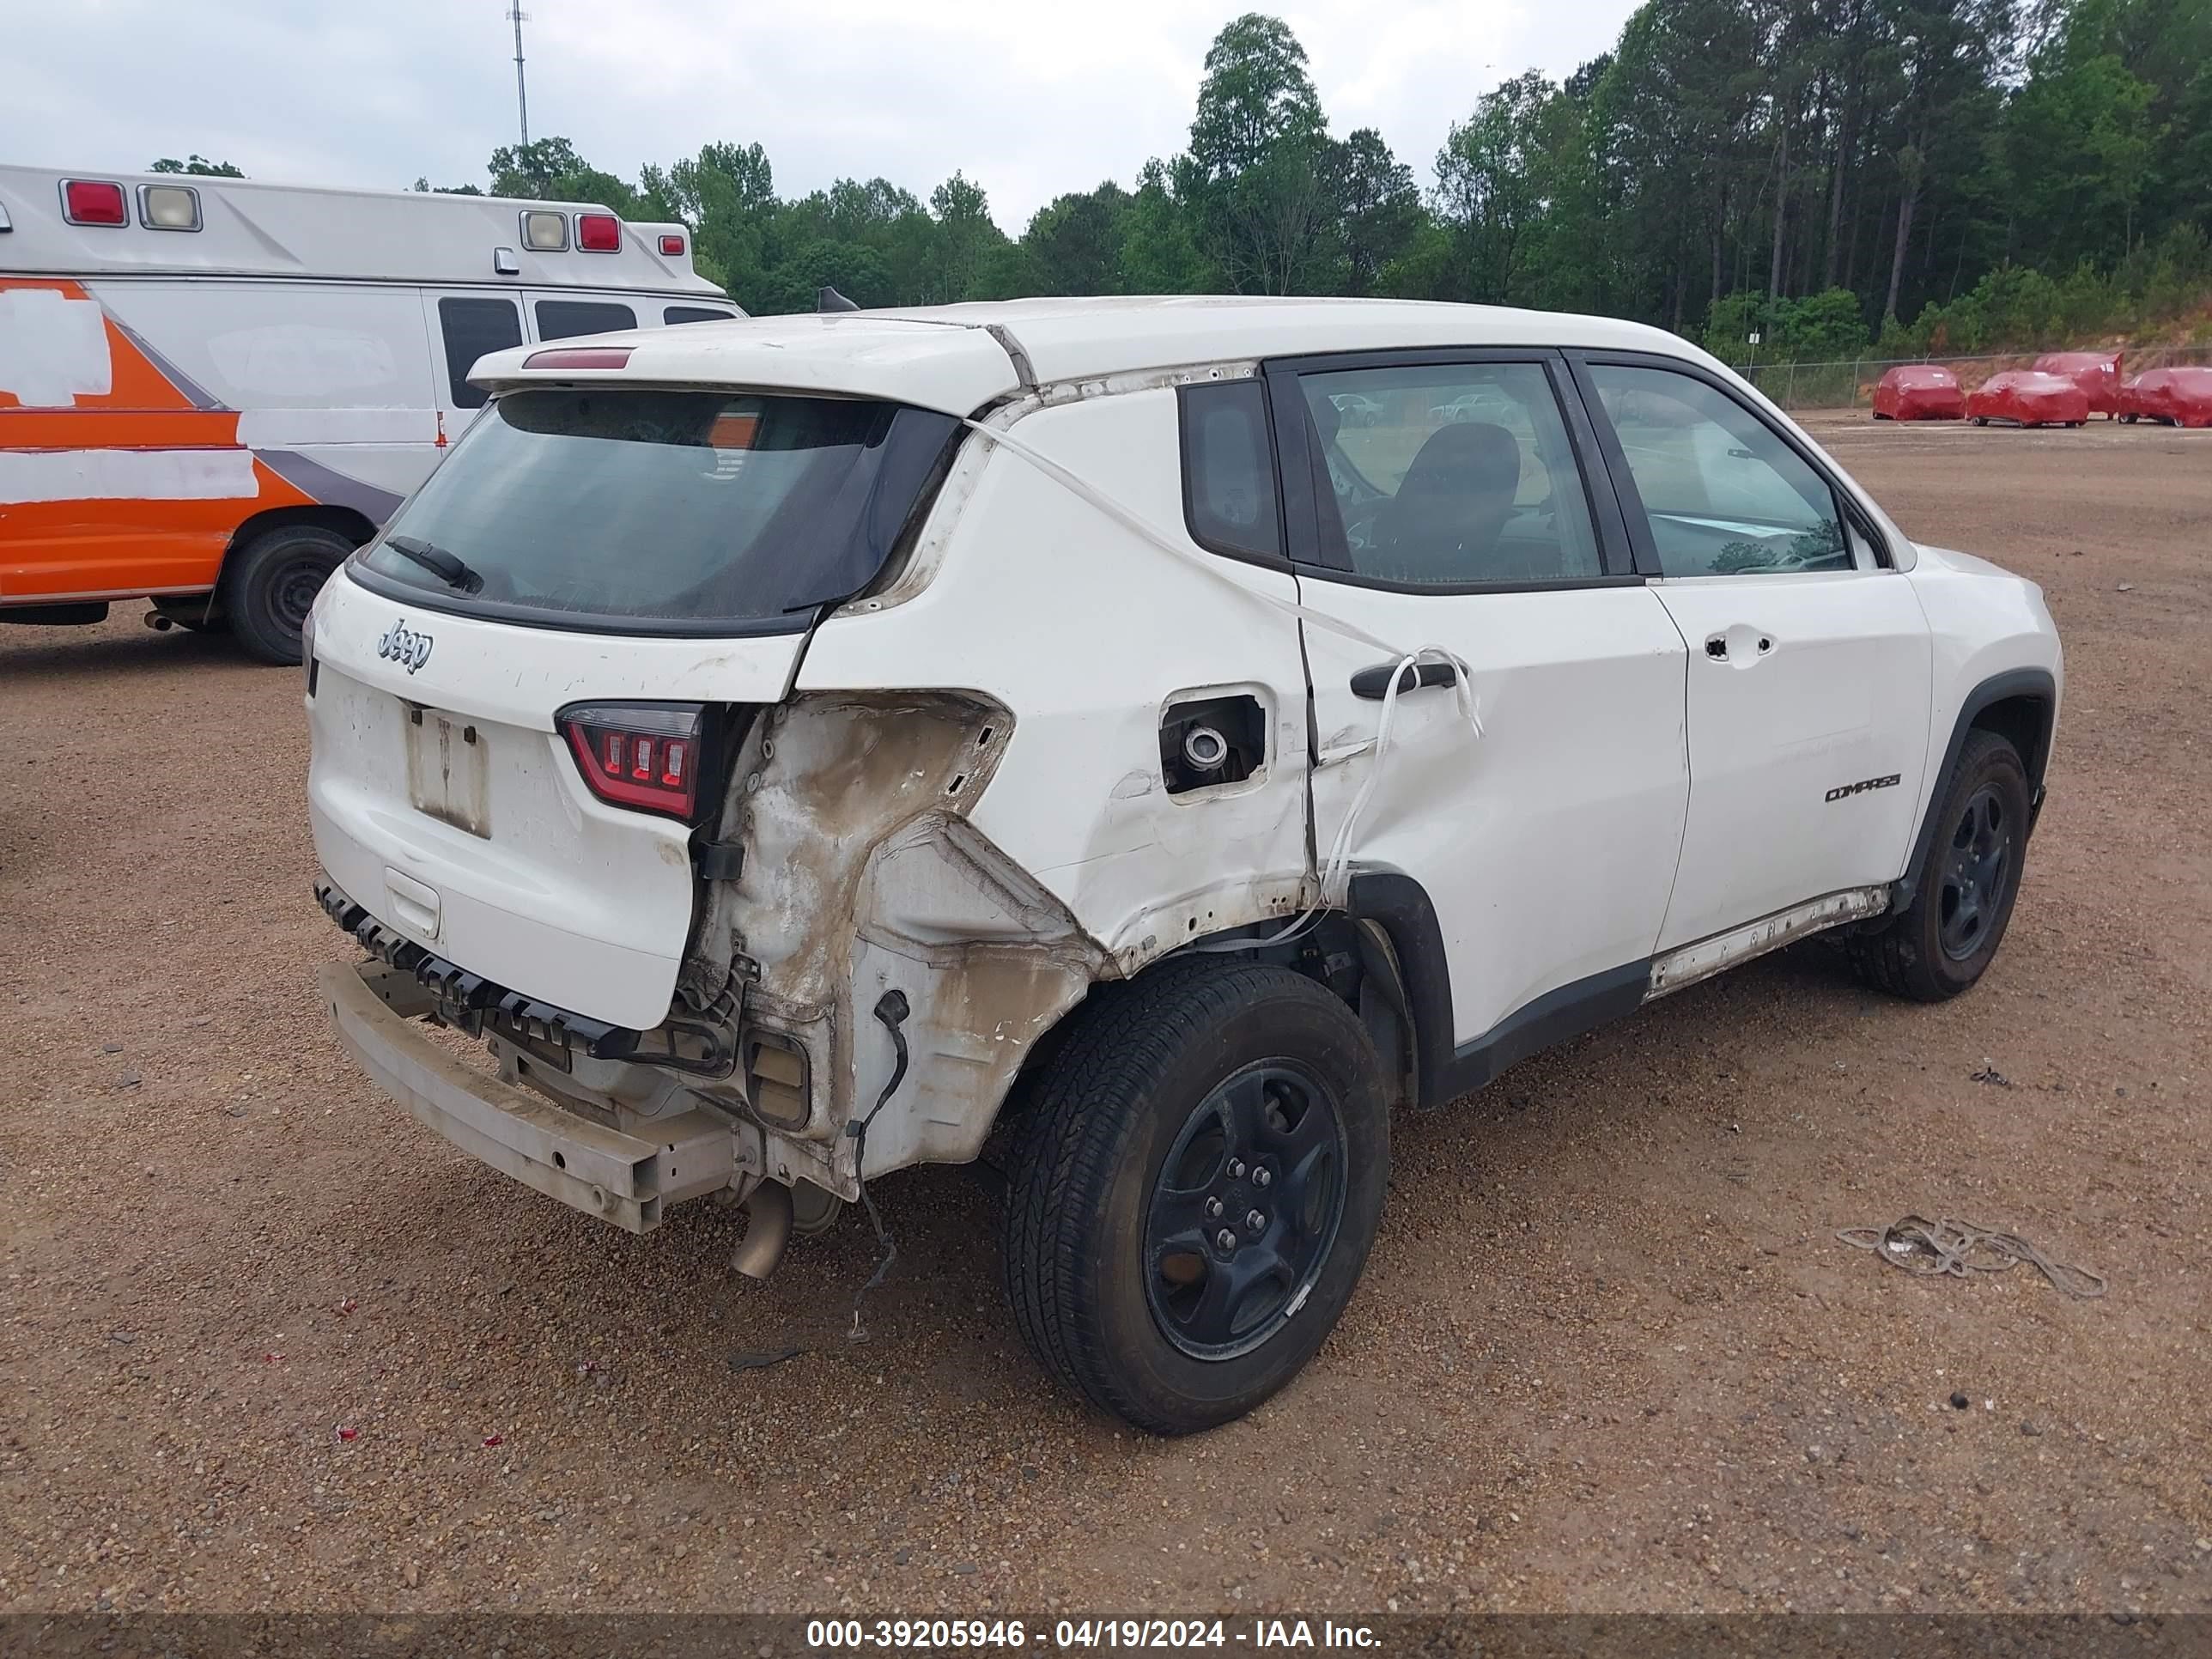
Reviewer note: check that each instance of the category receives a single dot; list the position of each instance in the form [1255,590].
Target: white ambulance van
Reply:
[213,390]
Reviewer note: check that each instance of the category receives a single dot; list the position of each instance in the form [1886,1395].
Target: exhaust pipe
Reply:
[158,622]
[768,1230]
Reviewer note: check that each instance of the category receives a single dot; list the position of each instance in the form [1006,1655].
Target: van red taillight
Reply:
[639,755]
[598,232]
[93,202]
[578,358]
[671,246]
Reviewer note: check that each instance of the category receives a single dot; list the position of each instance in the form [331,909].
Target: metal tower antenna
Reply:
[521,96]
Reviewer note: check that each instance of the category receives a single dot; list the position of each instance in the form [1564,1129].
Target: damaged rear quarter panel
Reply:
[863,876]
[993,912]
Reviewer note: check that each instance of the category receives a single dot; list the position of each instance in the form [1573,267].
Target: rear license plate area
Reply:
[449,769]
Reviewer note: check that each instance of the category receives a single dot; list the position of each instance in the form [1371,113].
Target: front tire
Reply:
[1195,1184]
[268,584]
[1946,938]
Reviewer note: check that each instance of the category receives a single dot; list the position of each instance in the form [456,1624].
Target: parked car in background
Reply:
[1474,406]
[2169,396]
[1919,392]
[2097,373]
[1048,724]
[2026,397]
[1355,410]
[213,390]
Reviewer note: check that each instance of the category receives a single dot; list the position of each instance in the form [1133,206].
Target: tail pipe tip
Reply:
[768,1230]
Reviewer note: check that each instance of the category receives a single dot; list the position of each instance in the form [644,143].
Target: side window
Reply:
[1228,469]
[675,314]
[472,328]
[1723,494]
[1450,475]
[560,319]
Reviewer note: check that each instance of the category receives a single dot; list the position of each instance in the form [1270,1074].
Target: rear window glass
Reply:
[472,328]
[663,512]
[563,319]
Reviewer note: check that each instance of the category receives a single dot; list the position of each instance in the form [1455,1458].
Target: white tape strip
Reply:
[126,475]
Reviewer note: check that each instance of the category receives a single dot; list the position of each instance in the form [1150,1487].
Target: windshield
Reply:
[662,512]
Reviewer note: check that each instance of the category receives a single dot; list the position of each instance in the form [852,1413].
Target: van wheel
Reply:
[1946,938]
[268,584]
[1193,1190]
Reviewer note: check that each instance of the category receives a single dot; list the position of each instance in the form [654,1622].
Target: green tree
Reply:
[1378,208]
[1073,244]
[197,166]
[551,170]
[966,262]
[1160,250]
[1259,176]
[1488,191]
[2080,142]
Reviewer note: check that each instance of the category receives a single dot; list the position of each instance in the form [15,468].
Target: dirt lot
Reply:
[1609,1353]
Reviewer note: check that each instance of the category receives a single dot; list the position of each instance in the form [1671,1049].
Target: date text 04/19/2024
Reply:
[929,1635]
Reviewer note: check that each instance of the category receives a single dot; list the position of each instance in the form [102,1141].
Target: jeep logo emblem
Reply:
[402,644]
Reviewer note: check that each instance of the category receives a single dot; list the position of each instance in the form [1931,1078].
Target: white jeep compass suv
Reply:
[798,747]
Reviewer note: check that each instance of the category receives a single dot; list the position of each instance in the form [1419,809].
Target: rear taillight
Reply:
[645,755]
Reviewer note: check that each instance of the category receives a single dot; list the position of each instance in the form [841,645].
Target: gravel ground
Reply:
[263,1345]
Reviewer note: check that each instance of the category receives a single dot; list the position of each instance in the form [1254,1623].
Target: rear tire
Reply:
[1946,938]
[269,584]
[1206,1101]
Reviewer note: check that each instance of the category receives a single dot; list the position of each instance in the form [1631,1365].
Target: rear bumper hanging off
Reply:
[620,1178]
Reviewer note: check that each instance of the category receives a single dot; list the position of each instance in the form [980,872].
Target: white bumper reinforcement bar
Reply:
[621,1178]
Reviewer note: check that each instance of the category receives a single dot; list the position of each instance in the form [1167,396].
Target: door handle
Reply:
[1374,683]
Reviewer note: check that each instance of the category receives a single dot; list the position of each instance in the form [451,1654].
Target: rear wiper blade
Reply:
[436,560]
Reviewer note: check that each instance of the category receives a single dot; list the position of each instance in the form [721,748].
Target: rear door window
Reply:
[643,511]
[1448,475]
[472,328]
[563,319]
[675,314]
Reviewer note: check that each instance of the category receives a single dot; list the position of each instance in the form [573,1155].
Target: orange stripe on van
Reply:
[117,428]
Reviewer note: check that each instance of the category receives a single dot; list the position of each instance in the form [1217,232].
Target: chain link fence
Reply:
[1849,384]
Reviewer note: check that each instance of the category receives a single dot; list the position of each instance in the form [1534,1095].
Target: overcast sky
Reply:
[1030,100]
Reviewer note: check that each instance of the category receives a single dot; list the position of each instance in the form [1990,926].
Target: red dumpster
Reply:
[2028,398]
[2097,373]
[1918,391]
[2173,397]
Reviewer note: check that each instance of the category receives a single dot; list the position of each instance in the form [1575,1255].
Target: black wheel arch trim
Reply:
[1445,1069]
[2036,685]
